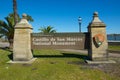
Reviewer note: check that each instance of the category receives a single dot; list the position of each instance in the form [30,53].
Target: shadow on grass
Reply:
[64,55]
[6,49]
[10,56]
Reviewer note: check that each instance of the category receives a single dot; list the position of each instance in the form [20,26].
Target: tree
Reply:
[7,27]
[47,29]
[16,17]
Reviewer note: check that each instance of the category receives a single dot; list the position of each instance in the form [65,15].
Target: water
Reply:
[113,37]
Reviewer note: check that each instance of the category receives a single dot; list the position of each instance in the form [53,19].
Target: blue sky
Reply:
[63,14]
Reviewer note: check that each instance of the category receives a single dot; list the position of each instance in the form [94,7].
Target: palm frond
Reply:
[3,24]
[10,21]
[1,35]
[47,29]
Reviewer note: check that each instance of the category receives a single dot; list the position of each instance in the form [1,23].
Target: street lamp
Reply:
[79,21]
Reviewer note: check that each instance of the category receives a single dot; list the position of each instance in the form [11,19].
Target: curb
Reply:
[114,51]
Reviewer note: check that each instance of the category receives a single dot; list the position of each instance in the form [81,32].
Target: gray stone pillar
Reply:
[22,41]
[98,39]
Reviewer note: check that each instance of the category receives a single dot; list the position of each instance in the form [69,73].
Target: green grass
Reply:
[114,47]
[50,65]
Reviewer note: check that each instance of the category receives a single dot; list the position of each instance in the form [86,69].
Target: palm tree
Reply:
[7,27]
[47,29]
[15,11]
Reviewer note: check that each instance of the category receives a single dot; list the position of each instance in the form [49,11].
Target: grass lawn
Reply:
[51,65]
[114,47]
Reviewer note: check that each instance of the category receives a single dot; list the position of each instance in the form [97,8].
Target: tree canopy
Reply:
[47,29]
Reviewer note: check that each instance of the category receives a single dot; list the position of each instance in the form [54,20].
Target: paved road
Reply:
[4,44]
[86,52]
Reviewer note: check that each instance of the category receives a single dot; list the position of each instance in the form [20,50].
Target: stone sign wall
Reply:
[59,41]
[95,40]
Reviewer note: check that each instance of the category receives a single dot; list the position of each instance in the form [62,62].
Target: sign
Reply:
[58,41]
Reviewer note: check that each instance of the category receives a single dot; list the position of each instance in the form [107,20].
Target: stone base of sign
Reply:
[22,62]
[99,62]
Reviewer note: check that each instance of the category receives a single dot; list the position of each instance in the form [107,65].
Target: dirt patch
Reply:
[111,68]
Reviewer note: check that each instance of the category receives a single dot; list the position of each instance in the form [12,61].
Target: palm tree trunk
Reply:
[11,43]
[15,11]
